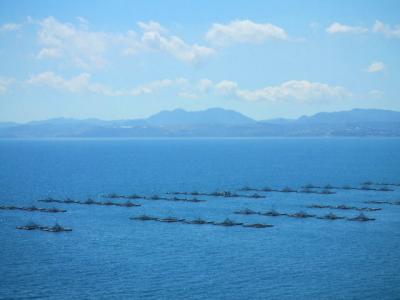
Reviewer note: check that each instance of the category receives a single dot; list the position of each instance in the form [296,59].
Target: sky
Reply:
[125,59]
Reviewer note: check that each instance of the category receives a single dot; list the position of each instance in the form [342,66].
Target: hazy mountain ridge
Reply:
[214,122]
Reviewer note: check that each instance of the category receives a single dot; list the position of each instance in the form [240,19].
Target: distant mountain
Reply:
[353,116]
[215,122]
[212,116]
[7,124]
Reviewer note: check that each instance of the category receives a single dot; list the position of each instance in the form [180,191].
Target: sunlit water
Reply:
[107,255]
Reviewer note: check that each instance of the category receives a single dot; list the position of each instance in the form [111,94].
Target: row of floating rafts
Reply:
[89,202]
[304,190]
[383,202]
[344,207]
[311,189]
[154,197]
[227,222]
[303,215]
[224,194]
[32,209]
[55,228]
[365,186]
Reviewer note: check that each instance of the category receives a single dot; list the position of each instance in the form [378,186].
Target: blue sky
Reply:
[131,59]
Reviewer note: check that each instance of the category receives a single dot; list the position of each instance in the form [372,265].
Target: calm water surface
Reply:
[108,256]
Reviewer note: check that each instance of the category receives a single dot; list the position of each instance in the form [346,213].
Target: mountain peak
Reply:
[211,116]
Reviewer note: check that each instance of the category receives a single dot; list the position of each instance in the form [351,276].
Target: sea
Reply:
[107,255]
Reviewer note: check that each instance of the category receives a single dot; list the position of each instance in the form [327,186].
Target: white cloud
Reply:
[341,28]
[130,43]
[82,83]
[151,87]
[204,85]
[10,27]
[226,87]
[89,49]
[293,90]
[188,95]
[244,31]
[376,94]
[5,83]
[386,30]
[152,26]
[74,84]
[49,53]
[154,37]
[298,90]
[375,67]
[80,46]
[78,84]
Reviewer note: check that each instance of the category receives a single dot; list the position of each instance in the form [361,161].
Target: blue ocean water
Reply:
[109,256]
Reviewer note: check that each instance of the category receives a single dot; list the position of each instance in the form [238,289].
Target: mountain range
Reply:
[214,122]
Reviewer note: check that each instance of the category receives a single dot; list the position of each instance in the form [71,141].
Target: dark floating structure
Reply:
[361,218]
[272,213]
[33,209]
[55,228]
[307,189]
[383,202]
[224,194]
[288,190]
[144,218]
[118,196]
[154,198]
[171,220]
[174,199]
[386,184]
[29,226]
[365,186]
[199,221]
[301,215]
[246,211]
[90,202]
[228,222]
[326,191]
[258,225]
[344,207]
[33,226]
[330,216]
[195,200]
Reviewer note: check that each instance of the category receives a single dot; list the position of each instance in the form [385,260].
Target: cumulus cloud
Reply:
[341,28]
[49,53]
[204,85]
[152,26]
[155,37]
[244,31]
[5,83]
[188,95]
[387,30]
[226,87]
[80,46]
[10,27]
[74,84]
[298,90]
[83,83]
[375,67]
[151,87]
[376,94]
[378,27]
[293,90]
[89,49]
